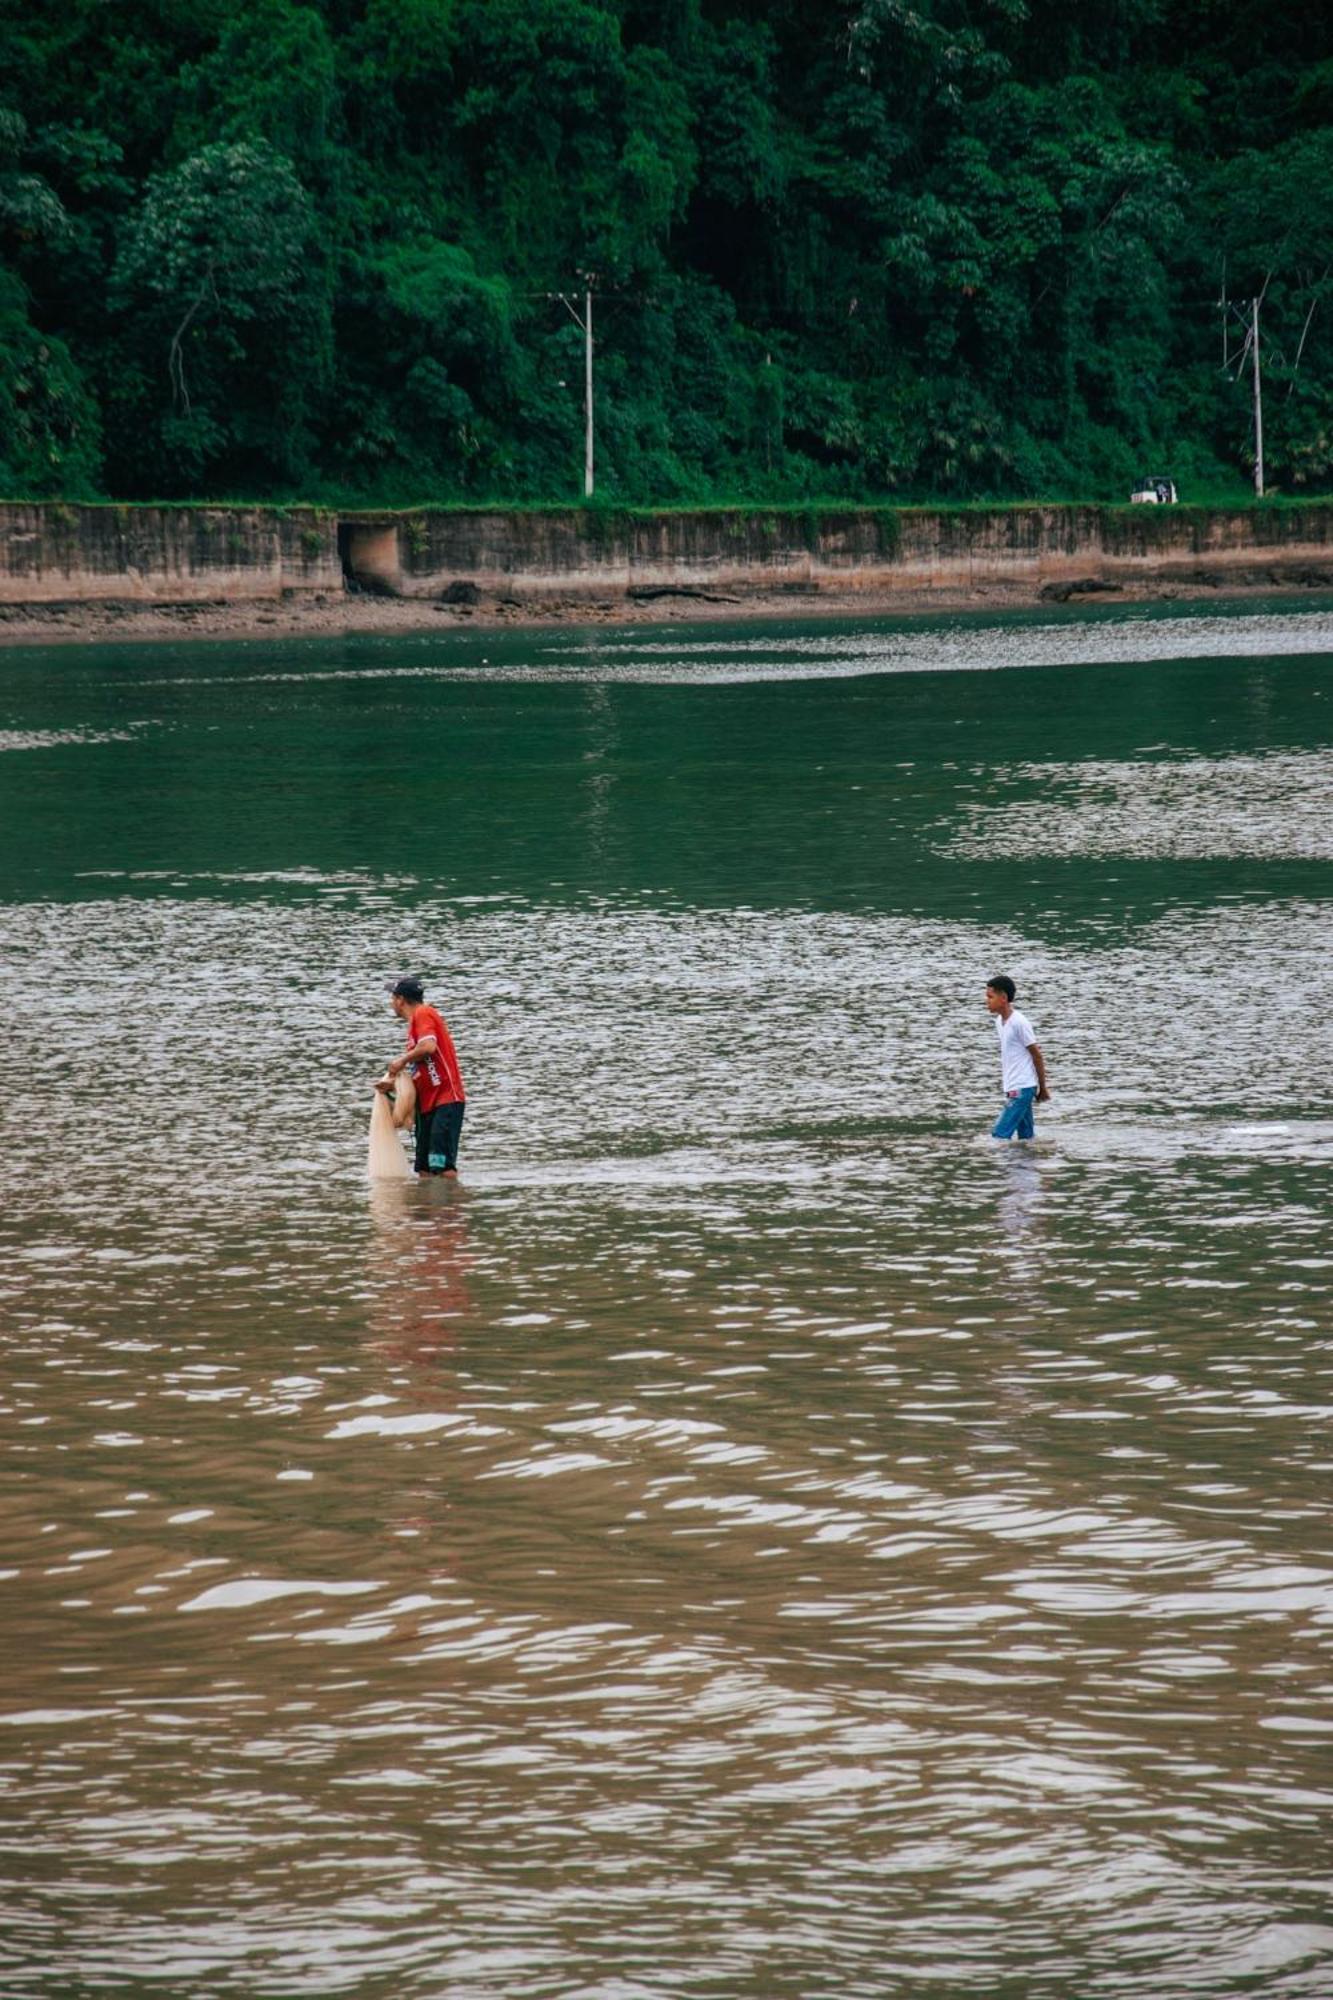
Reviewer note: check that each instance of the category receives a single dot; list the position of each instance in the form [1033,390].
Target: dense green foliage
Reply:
[861,248]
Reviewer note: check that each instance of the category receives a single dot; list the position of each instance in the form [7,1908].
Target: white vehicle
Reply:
[1153,493]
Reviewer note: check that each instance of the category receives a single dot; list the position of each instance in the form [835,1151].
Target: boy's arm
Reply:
[1039,1064]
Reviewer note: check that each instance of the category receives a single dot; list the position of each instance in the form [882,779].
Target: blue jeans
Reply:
[1015,1121]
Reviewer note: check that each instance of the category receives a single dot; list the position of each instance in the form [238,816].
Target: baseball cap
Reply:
[407,988]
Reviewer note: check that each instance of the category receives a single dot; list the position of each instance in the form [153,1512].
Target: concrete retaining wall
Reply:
[910,549]
[53,553]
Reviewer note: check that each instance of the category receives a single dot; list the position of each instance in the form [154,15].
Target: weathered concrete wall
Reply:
[163,555]
[155,555]
[909,549]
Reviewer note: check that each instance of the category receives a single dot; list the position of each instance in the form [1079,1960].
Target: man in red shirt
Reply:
[433,1061]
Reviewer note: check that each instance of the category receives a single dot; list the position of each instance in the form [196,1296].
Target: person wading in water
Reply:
[1022,1069]
[433,1061]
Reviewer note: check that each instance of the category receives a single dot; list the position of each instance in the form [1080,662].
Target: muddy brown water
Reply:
[752,1537]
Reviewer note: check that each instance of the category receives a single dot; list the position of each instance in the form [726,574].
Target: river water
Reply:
[752,1536]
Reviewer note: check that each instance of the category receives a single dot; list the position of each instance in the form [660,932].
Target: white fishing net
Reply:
[385,1158]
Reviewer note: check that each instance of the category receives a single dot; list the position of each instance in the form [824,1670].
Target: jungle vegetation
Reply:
[856,249]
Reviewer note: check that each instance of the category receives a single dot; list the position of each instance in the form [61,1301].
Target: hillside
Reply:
[954,249]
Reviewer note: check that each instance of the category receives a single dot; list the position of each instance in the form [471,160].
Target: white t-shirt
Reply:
[1017,1069]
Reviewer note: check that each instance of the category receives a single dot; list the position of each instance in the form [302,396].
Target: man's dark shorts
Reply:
[438,1133]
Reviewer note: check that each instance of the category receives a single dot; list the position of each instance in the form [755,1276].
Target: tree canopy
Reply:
[944,249]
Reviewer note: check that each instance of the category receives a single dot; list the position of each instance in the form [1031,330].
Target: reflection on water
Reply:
[1272,806]
[752,1536]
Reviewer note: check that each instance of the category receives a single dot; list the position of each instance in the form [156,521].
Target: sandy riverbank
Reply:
[335,614]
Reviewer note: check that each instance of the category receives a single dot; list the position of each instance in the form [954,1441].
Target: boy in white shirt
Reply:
[1022,1070]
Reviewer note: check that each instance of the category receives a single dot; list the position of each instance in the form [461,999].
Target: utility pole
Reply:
[584,323]
[587,399]
[1258,403]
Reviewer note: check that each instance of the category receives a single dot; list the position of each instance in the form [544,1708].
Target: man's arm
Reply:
[425,1047]
[1038,1063]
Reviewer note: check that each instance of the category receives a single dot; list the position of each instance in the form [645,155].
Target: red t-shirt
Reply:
[437,1077]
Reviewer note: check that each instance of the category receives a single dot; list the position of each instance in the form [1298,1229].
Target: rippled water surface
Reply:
[751,1537]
